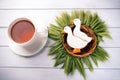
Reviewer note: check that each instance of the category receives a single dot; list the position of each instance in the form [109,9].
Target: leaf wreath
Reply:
[70,63]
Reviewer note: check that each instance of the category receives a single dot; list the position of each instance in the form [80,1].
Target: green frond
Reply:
[87,61]
[75,14]
[80,66]
[63,66]
[102,51]
[53,36]
[87,18]
[100,27]
[59,62]
[100,55]
[53,33]
[105,34]
[55,27]
[59,22]
[60,58]
[66,18]
[94,21]
[54,49]
[58,42]
[67,63]
[73,66]
[81,16]
[59,55]
[63,20]
[99,39]
[94,60]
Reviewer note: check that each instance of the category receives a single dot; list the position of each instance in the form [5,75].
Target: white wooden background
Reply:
[40,66]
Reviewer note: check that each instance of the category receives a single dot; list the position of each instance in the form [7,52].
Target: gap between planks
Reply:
[57,68]
[56,8]
[52,46]
[108,27]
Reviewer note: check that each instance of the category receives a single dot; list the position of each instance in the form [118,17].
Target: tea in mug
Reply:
[22,31]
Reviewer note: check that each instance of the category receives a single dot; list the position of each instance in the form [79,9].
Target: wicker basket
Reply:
[86,50]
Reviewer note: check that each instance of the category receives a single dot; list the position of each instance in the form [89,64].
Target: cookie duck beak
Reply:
[72,21]
[63,32]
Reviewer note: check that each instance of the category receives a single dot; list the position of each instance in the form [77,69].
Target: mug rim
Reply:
[12,25]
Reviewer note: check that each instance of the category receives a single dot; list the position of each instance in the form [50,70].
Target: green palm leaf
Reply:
[94,21]
[94,59]
[63,20]
[88,63]
[59,61]
[81,16]
[80,66]
[87,18]
[55,49]
[73,66]
[67,62]
[75,14]
[100,54]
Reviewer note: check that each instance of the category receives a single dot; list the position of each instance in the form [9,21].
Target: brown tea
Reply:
[22,31]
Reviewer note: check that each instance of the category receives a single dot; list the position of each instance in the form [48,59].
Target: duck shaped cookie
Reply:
[77,32]
[73,41]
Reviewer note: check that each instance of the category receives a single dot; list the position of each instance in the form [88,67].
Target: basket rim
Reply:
[90,51]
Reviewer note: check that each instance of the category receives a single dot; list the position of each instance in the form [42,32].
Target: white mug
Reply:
[30,47]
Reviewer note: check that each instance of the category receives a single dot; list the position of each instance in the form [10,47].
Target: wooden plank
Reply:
[45,17]
[60,4]
[40,66]
[4,36]
[114,42]
[55,74]
[103,74]
[8,59]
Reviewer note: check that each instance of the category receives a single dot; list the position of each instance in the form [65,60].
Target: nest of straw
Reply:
[86,50]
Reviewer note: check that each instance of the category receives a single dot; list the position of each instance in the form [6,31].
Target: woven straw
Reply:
[86,50]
